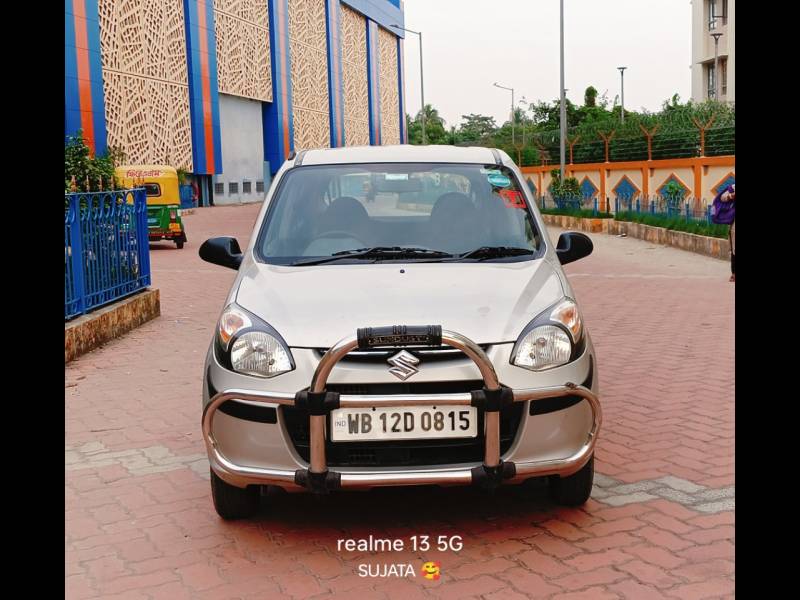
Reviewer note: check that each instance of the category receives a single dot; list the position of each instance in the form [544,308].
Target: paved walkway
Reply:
[140,523]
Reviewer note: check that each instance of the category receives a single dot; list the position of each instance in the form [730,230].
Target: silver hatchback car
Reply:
[399,317]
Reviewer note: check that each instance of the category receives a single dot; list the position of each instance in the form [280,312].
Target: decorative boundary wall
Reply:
[699,244]
[701,176]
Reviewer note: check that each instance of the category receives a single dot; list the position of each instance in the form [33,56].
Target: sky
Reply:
[470,44]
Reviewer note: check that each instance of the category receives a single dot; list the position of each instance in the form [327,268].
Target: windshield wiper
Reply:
[377,253]
[487,252]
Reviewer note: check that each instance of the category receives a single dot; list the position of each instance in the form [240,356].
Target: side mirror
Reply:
[572,246]
[222,251]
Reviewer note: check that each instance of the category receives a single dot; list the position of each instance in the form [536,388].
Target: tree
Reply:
[475,127]
[590,96]
[435,132]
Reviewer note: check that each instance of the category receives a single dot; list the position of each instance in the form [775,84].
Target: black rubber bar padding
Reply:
[492,400]
[491,477]
[316,404]
[549,405]
[399,335]
[318,483]
[249,412]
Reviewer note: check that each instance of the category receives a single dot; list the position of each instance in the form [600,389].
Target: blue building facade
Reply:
[229,88]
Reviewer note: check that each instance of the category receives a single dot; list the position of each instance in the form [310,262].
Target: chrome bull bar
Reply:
[319,402]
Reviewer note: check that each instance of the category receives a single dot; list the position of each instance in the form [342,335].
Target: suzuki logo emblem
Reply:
[404,365]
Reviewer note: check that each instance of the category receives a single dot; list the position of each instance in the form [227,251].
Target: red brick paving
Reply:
[662,323]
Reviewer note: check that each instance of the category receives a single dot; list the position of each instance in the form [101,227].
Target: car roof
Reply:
[404,153]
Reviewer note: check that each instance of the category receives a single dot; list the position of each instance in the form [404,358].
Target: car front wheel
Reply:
[575,489]
[232,502]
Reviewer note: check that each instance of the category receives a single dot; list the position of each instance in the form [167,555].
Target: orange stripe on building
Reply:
[84,72]
[208,127]
[282,21]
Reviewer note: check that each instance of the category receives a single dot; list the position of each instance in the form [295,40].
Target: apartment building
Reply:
[713,43]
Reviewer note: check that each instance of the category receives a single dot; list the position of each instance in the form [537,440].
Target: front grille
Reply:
[405,452]
[425,354]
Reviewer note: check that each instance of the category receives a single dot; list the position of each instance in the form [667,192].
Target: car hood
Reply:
[316,306]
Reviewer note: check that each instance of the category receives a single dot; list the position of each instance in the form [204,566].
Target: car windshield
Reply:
[429,212]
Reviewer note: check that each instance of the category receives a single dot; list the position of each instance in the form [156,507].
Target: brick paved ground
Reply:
[139,518]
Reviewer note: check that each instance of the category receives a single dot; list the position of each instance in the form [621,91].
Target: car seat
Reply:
[452,224]
[344,214]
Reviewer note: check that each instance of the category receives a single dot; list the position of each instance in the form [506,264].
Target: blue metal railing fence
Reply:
[106,248]
[684,207]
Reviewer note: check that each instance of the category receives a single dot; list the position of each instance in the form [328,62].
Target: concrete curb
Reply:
[699,244]
[89,331]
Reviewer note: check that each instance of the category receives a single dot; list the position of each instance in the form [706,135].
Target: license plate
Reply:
[403,423]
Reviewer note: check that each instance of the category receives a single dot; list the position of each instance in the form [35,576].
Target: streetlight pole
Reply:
[513,137]
[421,76]
[622,91]
[563,115]
[716,37]
[524,101]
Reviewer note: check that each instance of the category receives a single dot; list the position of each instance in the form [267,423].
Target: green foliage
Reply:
[91,173]
[183,175]
[435,132]
[586,213]
[673,190]
[590,97]
[675,223]
[537,130]
[569,188]
[475,127]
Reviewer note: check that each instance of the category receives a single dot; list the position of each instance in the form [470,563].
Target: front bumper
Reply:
[240,470]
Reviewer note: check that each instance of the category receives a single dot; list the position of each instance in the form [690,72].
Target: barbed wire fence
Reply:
[702,130]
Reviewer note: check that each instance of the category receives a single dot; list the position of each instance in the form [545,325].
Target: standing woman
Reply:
[730,196]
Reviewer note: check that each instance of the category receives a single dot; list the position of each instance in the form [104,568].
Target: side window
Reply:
[152,189]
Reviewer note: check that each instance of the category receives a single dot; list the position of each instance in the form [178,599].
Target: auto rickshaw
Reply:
[163,199]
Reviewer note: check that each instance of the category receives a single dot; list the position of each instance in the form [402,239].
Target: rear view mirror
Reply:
[222,251]
[573,246]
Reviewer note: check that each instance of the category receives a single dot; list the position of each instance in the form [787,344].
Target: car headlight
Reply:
[550,339]
[250,346]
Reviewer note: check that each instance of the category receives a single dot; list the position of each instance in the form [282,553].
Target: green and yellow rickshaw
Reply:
[163,199]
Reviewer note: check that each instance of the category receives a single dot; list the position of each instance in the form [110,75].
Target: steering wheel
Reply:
[340,234]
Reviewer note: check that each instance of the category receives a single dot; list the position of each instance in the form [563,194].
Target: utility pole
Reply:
[421,76]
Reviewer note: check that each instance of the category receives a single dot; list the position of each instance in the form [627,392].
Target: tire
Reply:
[575,489]
[179,244]
[232,502]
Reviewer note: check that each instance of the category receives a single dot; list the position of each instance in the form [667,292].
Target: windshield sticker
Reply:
[497,179]
[513,199]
